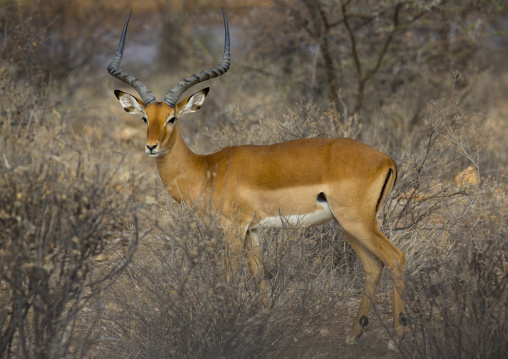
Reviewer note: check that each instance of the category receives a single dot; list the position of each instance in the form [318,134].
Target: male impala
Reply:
[307,181]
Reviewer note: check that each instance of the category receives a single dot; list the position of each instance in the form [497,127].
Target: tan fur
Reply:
[249,184]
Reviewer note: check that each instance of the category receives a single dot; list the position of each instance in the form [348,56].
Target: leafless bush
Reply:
[371,50]
[67,228]
[434,155]
[455,295]
[185,309]
[51,40]
[457,301]
[173,300]
[431,217]
[61,219]
[23,108]
[304,121]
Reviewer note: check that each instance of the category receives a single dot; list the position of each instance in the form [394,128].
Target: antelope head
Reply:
[160,117]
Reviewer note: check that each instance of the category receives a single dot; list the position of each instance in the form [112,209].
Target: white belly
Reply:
[322,215]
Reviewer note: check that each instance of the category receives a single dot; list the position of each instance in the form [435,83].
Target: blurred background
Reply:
[388,59]
[97,261]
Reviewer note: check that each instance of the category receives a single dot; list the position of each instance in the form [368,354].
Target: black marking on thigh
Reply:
[402,319]
[321,197]
[364,321]
[383,189]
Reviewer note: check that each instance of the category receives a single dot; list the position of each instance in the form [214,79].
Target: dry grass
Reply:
[172,299]
[66,231]
[182,307]
[97,261]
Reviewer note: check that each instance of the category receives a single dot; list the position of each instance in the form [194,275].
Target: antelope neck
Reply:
[180,169]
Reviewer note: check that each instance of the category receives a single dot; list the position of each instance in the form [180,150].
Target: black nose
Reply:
[151,148]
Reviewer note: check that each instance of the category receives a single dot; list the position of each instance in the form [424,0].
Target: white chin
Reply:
[154,155]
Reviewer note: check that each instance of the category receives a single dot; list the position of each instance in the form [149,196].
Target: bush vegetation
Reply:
[97,261]
[63,222]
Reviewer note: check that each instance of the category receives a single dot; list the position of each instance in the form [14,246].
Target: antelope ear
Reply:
[130,104]
[192,103]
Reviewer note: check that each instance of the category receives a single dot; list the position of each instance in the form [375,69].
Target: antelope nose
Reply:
[151,148]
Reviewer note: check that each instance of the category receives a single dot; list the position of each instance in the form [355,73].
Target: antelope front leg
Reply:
[234,249]
[255,260]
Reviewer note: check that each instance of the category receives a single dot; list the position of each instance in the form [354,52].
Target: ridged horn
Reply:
[129,79]
[172,97]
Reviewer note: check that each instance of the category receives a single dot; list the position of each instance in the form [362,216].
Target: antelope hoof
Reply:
[351,338]
[392,346]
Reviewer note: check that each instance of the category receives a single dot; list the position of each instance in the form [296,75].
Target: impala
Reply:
[306,181]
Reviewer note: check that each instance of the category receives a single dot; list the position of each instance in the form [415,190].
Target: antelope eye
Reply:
[144,119]
[170,120]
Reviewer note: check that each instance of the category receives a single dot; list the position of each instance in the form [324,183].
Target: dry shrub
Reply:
[429,161]
[61,223]
[454,237]
[67,228]
[304,121]
[63,217]
[175,302]
[446,229]
[44,41]
[23,109]
[457,302]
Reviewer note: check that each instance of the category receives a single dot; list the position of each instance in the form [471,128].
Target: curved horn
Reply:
[129,79]
[172,97]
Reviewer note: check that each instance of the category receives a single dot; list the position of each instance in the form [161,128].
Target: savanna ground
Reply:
[97,261]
